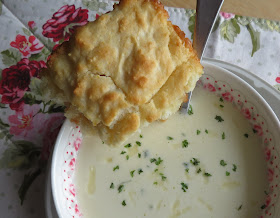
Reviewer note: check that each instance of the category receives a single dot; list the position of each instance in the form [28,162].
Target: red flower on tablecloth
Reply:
[15,81]
[227,15]
[50,131]
[277,79]
[64,21]
[27,47]
[246,113]
[31,24]
[210,87]
[227,96]
[22,123]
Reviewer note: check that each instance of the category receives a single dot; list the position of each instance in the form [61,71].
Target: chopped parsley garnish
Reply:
[221,105]
[138,143]
[263,206]
[227,173]
[157,161]
[163,177]
[123,203]
[265,192]
[190,110]
[140,136]
[221,99]
[240,207]
[155,183]
[139,155]
[246,135]
[185,143]
[169,138]
[198,132]
[206,131]
[116,168]
[207,174]
[103,142]
[223,135]
[219,118]
[132,173]
[127,157]
[128,145]
[112,186]
[195,161]
[123,152]
[184,186]
[187,170]
[156,170]
[223,163]
[255,131]
[140,171]
[234,167]
[199,170]
[120,188]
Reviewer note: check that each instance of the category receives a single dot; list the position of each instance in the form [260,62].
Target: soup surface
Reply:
[206,164]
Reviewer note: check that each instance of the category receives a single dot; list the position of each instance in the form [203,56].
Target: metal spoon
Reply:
[206,15]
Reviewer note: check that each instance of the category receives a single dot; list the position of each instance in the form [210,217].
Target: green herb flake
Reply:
[185,143]
[265,192]
[127,157]
[156,161]
[222,106]
[120,188]
[103,142]
[227,173]
[155,183]
[169,138]
[223,135]
[240,207]
[221,99]
[246,135]
[141,136]
[207,174]
[199,170]
[116,168]
[219,118]
[156,170]
[223,163]
[128,145]
[234,167]
[132,173]
[163,177]
[198,132]
[112,186]
[190,110]
[123,203]
[254,131]
[195,161]
[140,171]
[184,186]
[206,131]
[139,155]
[123,152]
[187,170]
[138,143]
[263,206]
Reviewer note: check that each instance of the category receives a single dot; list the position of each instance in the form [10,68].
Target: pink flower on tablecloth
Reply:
[259,129]
[210,87]
[270,175]
[72,163]
[15,81]
[50,131]
[227,15]
[267,152]
[72,189]
[277,79]
[246,113]
[31,24]
[77,143]
[23,123]
[227,96]
[27,47]
[64,21]
[97,16]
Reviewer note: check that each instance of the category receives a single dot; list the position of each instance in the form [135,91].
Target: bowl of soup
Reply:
[218,159]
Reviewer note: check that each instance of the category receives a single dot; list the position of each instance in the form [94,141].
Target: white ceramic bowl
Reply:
[215,79]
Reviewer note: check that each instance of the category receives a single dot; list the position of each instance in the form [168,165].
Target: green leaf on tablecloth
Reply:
[269,25]
[191,24]
[36,57]
[30,99]
[27,181]
[0,74]
[49,44]
[229,29]
[10,56]
[20,155]
[3,105]
[94,5]
[255,37]
[242,20]
[54,108]
[4,131]
[35,88]
[0,7]
[26,31]
[3,125]
[217,24]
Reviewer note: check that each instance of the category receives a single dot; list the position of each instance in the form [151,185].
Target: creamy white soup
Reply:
[208,163]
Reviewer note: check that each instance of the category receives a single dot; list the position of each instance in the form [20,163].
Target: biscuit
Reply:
[123,71]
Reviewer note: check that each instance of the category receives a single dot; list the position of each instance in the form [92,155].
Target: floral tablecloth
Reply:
[31,29]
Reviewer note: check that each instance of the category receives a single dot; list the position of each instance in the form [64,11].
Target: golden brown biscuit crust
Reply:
[128,68]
